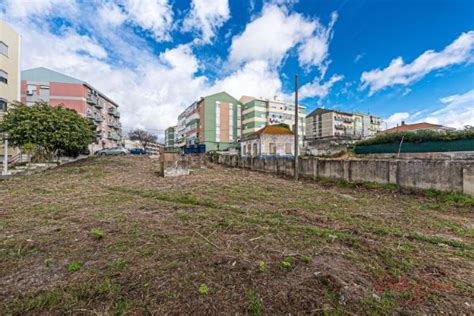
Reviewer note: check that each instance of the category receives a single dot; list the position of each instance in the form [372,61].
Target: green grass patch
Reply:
[74,266]
[98,233]
[254,303]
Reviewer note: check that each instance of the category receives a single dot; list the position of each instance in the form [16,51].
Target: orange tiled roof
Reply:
[411,127]
[274,129]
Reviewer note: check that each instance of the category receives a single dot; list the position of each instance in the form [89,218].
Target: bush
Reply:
[418,137]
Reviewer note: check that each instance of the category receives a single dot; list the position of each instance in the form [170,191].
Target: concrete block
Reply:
[468,179]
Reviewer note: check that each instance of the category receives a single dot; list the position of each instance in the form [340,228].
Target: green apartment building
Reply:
[258,113]
[170,137]
[212,123]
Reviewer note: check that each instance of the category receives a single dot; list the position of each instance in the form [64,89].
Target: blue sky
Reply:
[402,60]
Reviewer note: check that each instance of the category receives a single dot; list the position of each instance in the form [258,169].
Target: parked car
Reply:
[112,151]
[137,151]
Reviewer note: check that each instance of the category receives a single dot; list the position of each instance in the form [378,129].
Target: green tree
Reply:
[53,131]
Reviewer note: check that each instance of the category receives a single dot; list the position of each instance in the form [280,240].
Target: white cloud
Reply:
[151,89]
[358,57]
[457,112]
[255,78]
[314,51]
[153,15]
[399,73]
[206,16]
[24,8]
[270,36]
[318,89]
[112,14]
[396,119]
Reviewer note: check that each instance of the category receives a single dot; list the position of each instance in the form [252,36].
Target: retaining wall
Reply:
[444,175]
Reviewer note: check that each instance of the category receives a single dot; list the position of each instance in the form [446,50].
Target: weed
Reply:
[254,303]
[203,289]
[74,266]
[384,305]
[305,259]
[98,233]
[287,263]
[261,266]
[118,264]
[438,240]
[122,306]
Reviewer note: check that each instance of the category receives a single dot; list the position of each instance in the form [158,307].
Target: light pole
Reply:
[5,155]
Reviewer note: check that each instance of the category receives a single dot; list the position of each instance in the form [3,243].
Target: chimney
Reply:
[403,122]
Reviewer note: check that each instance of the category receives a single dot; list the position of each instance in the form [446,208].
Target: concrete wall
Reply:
[443,175]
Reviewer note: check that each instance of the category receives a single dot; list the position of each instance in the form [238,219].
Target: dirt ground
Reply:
[108,236]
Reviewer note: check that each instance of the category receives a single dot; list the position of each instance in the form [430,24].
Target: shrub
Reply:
[418,137]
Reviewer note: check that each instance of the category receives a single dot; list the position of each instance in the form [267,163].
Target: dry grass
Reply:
[106,235]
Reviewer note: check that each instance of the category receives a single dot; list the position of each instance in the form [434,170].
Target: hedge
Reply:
[418,137]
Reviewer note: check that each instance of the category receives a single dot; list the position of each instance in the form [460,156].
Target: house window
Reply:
[3,105]
[3,77]
[244,149]
[288,149]
[3,49]
[255,149]
[249,148]
[272,148]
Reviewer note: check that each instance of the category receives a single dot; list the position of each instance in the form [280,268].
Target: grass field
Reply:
[107,235]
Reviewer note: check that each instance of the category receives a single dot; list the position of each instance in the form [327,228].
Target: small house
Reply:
[269,141]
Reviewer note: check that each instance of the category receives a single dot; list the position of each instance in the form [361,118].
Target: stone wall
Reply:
[443,175]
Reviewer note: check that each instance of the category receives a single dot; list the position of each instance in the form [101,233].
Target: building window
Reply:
[3,48]
[272,148]
[3,76]
[3,105]
[288,149]
[255,149]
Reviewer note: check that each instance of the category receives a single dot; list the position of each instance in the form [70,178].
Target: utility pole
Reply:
[296,128]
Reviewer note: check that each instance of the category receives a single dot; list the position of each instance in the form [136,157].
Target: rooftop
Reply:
[274,130]
[413,127]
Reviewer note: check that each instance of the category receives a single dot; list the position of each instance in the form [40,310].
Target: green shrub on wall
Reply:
[418,137]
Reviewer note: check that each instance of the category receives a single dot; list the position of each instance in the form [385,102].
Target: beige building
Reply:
[322,123]
[9,65]
[269,141]
[9,73]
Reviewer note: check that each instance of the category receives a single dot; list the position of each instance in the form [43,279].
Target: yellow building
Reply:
[9,65]
[9,72]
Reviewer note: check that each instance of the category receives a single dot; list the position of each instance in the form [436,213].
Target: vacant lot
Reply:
[108,235]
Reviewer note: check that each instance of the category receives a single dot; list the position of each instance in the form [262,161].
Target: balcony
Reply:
[93,101]
[98,119]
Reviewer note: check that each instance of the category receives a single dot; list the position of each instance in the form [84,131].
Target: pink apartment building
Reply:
[42,84]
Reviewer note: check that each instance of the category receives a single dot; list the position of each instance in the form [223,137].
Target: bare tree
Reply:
[142,136]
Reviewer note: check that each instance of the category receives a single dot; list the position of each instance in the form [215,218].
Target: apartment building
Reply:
[42,84]
[260,112]
[9,72]
[323,123]
[170,135]
[211,123]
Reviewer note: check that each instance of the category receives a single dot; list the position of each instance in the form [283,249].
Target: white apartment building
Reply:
[323,123]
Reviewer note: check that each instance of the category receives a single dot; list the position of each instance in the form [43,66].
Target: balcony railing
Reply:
[92,101]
